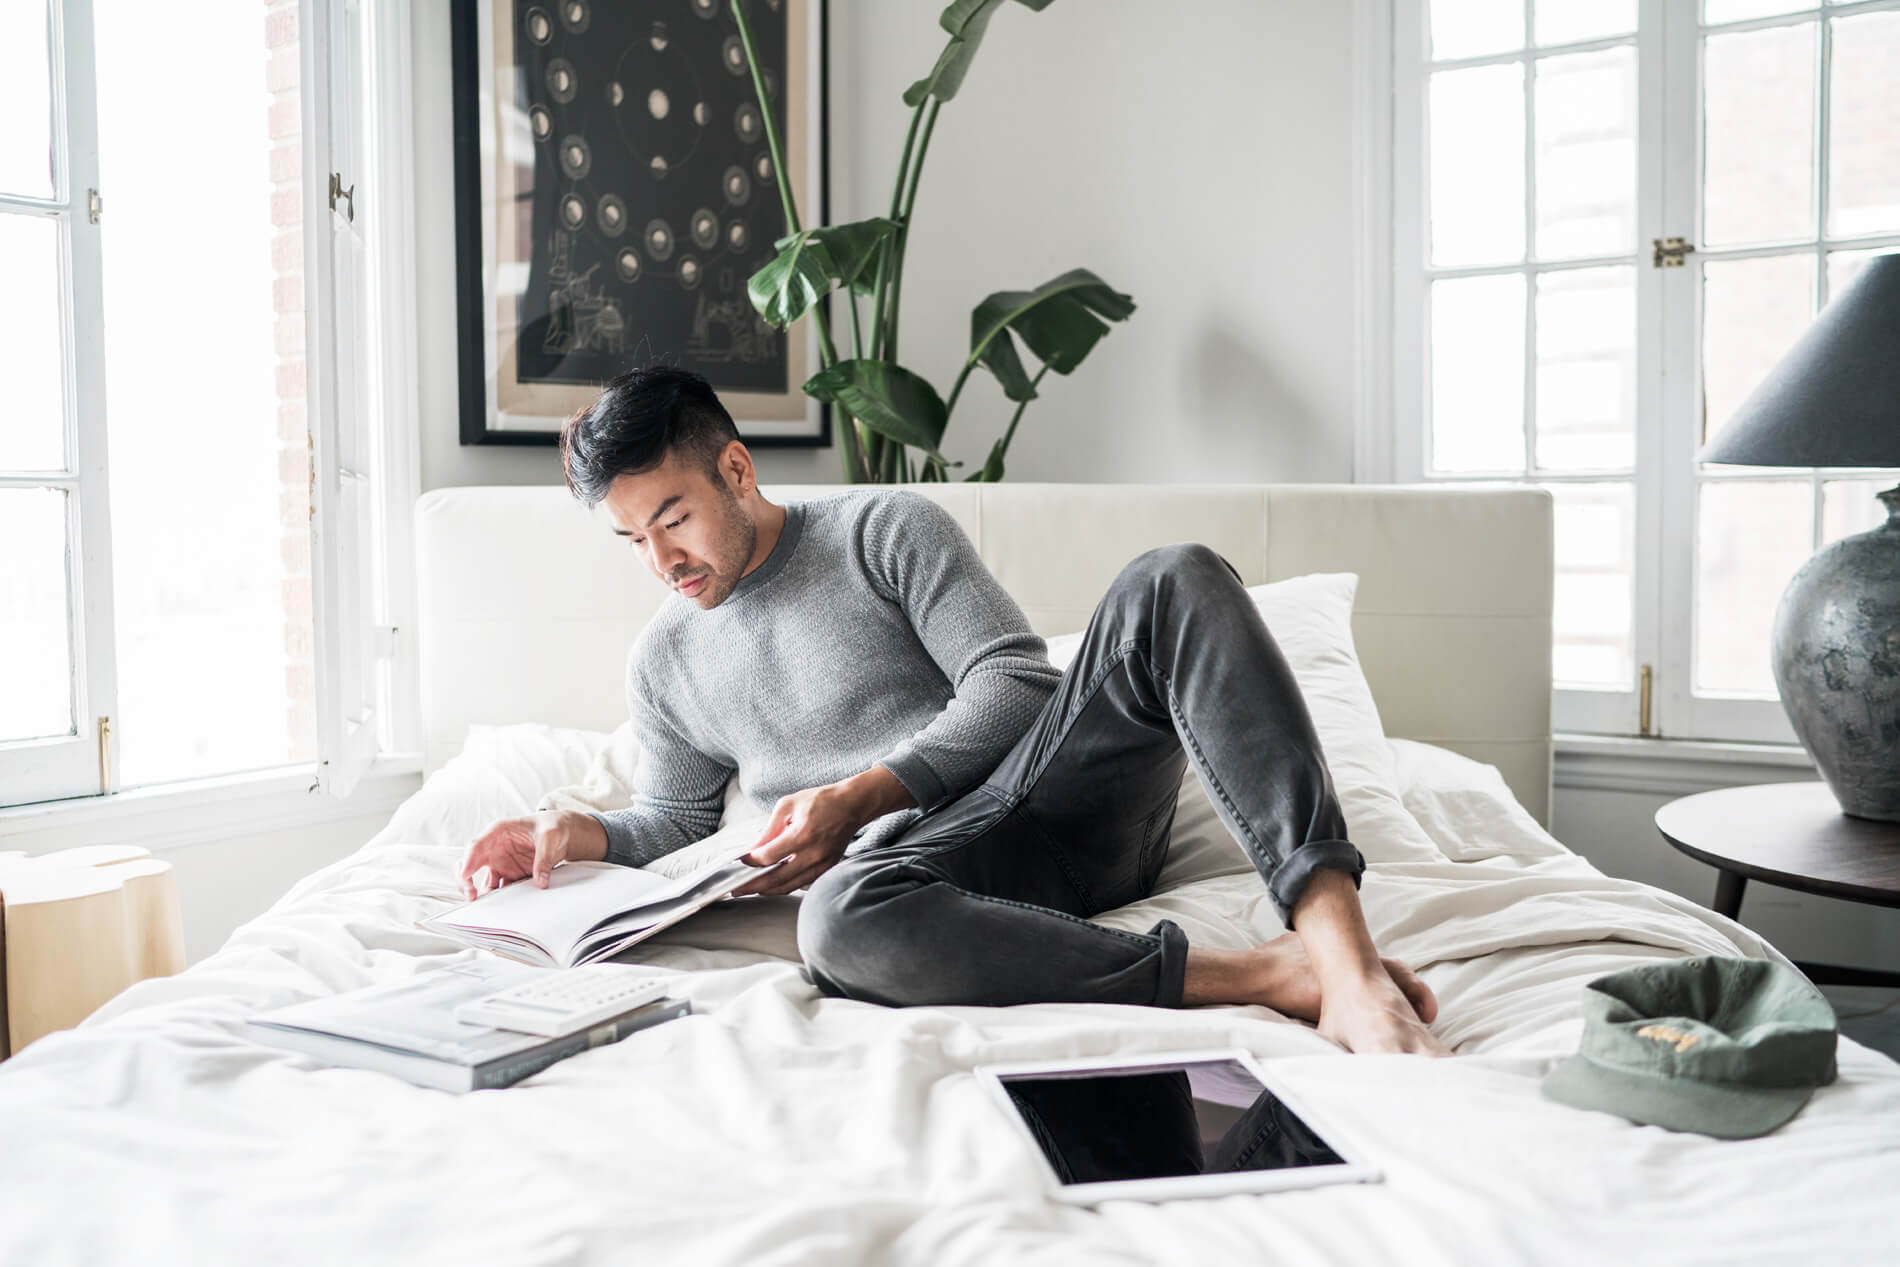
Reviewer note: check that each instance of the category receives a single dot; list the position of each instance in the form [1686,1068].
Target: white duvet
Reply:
[775,1126]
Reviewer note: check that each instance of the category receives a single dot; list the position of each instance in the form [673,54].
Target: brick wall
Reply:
[282,78]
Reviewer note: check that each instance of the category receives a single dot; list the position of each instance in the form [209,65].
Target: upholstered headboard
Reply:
[528,603]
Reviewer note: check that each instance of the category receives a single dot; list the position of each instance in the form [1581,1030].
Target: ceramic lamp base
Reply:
[1837,662]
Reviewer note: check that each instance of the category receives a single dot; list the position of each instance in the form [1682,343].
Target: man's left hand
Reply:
[811,828]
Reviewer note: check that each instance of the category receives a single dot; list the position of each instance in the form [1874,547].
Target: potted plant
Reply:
[886,411]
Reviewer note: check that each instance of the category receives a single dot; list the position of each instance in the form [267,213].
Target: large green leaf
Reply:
[1060,320]
[999,356]
[851,249]
[887,398]
[786,288]
[811,262]
[992,468]
[966,20]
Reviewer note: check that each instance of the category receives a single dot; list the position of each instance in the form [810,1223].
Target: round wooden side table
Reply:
[1793,836]
[77,926]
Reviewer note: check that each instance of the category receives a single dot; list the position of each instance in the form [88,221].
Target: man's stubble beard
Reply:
[736,544]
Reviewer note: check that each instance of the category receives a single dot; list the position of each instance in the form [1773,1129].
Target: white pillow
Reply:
[607,783]
[1310,618]
[1466,807]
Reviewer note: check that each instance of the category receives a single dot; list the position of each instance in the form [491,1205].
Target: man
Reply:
[858,667]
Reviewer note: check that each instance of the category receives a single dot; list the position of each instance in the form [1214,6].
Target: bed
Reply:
[775,1126]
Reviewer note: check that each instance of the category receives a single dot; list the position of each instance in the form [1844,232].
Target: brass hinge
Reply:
[1642,708]
[95,206]
[105,755]
[1669,252]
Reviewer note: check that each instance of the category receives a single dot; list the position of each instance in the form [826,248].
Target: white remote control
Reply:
[567,999]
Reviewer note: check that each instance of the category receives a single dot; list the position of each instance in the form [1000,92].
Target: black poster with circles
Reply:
[615,190]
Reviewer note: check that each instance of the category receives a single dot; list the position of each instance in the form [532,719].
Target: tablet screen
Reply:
[1155,1121]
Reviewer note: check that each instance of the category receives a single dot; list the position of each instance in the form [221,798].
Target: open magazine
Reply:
[593,910]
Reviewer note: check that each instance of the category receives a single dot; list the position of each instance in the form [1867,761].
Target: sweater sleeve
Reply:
[678,791]
[917,556]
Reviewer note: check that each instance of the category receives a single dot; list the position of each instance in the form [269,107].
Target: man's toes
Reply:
[1413,987]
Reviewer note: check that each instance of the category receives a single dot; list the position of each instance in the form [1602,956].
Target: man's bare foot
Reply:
[1279,974]
[1370,1015]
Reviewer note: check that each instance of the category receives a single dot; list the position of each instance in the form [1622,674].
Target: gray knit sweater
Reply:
[872,634]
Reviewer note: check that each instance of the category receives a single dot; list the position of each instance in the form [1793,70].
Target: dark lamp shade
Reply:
[1834,399]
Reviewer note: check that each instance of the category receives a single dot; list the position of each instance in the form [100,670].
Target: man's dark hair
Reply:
[641,416]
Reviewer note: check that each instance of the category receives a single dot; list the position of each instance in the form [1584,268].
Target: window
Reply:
[1548,328]
[193,506]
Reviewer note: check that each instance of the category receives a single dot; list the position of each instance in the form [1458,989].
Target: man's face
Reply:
[692,531]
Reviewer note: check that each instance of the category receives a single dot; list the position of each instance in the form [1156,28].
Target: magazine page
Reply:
[585,899]
[710,886]
[711,851]
[579,896]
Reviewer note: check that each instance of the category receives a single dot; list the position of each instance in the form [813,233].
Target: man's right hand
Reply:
[516,848]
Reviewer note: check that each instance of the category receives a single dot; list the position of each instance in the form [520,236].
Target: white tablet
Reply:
[1169,1126]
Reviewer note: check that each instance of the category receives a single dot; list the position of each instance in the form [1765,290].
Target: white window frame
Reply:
[1392,56]
[388,756]
[359,296]
[84,761]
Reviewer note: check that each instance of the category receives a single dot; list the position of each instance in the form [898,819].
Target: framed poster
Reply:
[614,190]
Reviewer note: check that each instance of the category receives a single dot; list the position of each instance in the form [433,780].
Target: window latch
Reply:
[347,195]
[105,755]
[1668,252]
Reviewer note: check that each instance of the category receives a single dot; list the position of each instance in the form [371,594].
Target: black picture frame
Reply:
[482,419]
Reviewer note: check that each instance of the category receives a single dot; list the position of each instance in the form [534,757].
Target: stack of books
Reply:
[408,1028]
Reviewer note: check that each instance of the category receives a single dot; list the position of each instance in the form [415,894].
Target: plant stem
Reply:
[892,250]
[903,230]
[827,354]
[1017,417]
[956,389]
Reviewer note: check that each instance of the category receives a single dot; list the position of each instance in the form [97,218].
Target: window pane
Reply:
[1864,126]
[1752,312]
[1586,154]
[1714,11]
[35,635]
[1477,165]
[33,412]
[26,101]
[1844,266]
[1758,135]
[1586,369]
[1849,506]
[1567,21]
[1478,374]
[1596,569]
[204,366]
[1750,537]
[1472,28]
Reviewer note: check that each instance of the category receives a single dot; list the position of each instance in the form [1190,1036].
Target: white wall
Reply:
[1197,158]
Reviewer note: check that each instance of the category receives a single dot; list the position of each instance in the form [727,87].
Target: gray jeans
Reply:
[987,899]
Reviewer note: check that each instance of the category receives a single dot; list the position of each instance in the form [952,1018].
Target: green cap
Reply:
[1720,1046]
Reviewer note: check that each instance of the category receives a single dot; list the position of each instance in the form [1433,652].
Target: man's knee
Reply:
[838,938]
[1195,567]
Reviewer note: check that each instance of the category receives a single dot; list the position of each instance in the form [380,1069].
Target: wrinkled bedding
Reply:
[775,1126]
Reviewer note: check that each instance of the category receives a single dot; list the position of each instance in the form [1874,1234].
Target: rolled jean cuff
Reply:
[1293,875]
[1173,971]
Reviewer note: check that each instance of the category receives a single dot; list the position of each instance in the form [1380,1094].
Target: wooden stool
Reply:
[76,928]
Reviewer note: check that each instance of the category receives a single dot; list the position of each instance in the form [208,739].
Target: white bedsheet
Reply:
[777,1127]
